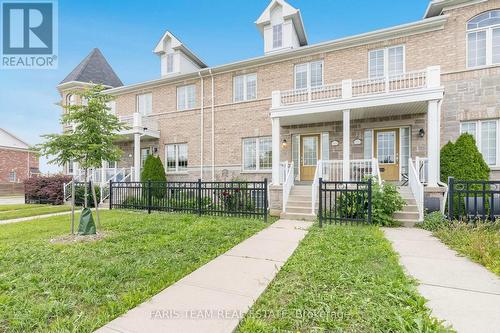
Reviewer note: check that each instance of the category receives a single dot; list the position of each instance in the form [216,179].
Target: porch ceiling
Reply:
[358,113]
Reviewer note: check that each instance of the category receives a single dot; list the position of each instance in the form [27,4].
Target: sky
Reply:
[126,31]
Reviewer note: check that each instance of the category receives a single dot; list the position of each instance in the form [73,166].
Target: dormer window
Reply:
[170,63]
[277,36]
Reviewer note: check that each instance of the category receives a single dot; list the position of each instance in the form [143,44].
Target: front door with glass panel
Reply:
[309,156]
[387,153]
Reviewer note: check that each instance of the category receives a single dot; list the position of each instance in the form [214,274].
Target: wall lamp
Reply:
[284,144]
[421,132]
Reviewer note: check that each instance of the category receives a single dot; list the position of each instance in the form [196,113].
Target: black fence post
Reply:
[370,201]
[198,194]
[265,200]
[110,194]
[320,204]
[149,196]
[450,198]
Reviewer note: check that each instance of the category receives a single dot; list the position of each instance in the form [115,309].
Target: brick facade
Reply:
[469,94]
[19,161]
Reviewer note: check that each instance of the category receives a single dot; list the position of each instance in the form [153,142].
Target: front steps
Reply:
[408,216]
[299,204]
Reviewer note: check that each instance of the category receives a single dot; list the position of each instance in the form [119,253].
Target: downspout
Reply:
[213,125]
[202,125]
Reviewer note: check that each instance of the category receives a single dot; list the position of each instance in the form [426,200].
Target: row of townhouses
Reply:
[380,103]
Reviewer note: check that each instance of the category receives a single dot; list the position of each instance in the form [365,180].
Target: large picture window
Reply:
[176,156]
[245,87]
[257,154]
[309,75]
[386,62]
[483,39]
[487,136]
[186,97]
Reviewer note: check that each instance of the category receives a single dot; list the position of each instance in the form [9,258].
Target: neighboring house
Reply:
[380,103]
[17,161]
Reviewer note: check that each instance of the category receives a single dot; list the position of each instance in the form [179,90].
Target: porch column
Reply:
[276,150]
[433,139]
[346,156]
[137,157]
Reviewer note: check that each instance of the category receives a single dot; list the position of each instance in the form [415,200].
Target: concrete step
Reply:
[399,216]
[298,216]
[299,210]
[410,208]
[297,197]
[299,203]
[409,223]
[300,192]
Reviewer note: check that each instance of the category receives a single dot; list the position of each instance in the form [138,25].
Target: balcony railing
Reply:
[137,120]
[421,79]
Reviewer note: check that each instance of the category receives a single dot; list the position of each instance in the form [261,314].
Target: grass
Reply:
[46,287]
[29,210]
[341,279]
[480,242]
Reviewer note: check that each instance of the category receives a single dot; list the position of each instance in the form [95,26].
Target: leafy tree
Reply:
[91,139]
[462,160]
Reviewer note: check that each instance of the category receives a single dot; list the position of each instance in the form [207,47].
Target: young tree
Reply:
[91,139]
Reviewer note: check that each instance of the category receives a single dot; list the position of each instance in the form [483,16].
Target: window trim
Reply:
[176,152]
[137,103]
[478,137]
[170,64]
[245,87]
[308,86]
[281,39]
[489,46]
[186,99]
[257,169]
[386,60]
[13,179]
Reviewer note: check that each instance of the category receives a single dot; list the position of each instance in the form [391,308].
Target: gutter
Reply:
[213,125]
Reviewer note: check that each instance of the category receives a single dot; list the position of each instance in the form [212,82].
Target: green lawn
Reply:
[8,212]
[79,287]
[480,243]
[341,279]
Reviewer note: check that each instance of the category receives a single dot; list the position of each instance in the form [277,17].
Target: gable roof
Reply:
[9,140]
[177,45]
[436,7]
[288,12]
[94,69]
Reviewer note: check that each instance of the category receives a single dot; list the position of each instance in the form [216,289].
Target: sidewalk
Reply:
[214,297]
[11,200]
[464,294]
[29,218]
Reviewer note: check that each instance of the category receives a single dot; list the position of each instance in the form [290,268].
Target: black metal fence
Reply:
[236,198]
[471,200]
[345,202]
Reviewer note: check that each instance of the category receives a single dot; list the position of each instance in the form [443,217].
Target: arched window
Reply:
[483,39]
[70,99]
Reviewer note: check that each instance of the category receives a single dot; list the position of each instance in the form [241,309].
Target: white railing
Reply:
[331,171]
[287,185]
[358,170]
[376,171]
[361,169]
[314,94]
[283,170]
[315,185]
[138,120]
[426,78]
[422,167]
[417,188]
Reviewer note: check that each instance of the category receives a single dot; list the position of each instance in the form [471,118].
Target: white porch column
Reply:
[346,134]
[433,139]
[103,172]
[137,157]
[276,150]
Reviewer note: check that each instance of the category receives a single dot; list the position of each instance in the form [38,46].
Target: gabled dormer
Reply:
[281,26]
[175,58]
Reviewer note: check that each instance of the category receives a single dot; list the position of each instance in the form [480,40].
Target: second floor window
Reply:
[176,156]
[245,87]
[277,36]
[186,97]
[145,104]
[170,63]
[309,75]
[483,39]
[386,62]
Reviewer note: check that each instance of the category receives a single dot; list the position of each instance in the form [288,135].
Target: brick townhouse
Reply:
[17,161]
[381,103]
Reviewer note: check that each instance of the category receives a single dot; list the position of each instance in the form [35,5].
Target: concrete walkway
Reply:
[14,200]
[464,294]
[215,297]
[29,218]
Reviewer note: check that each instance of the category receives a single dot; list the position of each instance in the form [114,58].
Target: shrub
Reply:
[386,200]
[153,170]
[80,195]
[49,189]
[462,160]
[434,221]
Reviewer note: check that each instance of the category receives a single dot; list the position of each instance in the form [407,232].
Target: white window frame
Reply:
[478,136]
[386,60]
[176,152]
[186,105]
[169,58]
[147,98]
[13,179]
[308,64]
[277,45]
[257,155]
[245,87]
[489,42]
